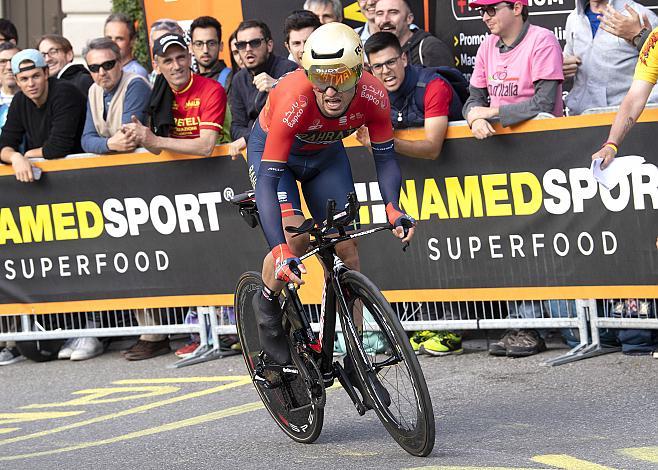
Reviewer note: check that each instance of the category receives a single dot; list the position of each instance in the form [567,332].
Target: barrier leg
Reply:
[198,355]
[584,350]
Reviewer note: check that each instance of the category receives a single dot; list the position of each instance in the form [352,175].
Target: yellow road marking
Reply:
[648,454]
[13,418]
[236,410]
[8,430]
[182,380]
[96,396]
[241,380]
[568,463]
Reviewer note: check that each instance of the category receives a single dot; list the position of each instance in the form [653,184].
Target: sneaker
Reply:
[443,343]
[68,348]
[10,356]
[499,348]
[419,338]
[226,342]
[147,350]
[188,349]
[526,343]
[86,348]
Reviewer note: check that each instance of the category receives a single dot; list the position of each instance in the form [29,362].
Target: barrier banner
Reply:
[517,216]
[155,229]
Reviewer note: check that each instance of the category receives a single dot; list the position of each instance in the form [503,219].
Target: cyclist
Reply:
[298,137]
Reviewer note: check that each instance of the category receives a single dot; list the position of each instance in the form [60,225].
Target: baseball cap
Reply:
[32,55]
[484,3]
[161,45]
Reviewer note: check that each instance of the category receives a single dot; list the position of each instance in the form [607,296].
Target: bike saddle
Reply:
[270,375]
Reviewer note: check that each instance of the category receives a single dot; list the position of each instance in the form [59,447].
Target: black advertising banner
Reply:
[519,211]
[140,230]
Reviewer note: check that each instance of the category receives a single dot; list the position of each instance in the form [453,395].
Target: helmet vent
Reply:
[335,55]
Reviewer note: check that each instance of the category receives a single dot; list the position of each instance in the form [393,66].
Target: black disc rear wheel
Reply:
[297,406]
[382,355]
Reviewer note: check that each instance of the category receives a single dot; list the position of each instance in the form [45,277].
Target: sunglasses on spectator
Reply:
[389,64]
[254,44]
[107,66]
[211,43]
[492,9]
[51,53]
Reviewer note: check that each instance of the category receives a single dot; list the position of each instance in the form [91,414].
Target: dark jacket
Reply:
[56,126]
[430,51]
[246,101]
[79,76]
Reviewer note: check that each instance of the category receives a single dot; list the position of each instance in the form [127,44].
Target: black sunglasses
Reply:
[254,44]
[107,66]
[492,9]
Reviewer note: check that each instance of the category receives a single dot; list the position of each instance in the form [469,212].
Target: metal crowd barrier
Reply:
[586,317]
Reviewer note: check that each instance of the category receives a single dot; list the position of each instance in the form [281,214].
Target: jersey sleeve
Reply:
[380,129]
[213,110]
[437,100]
[647,64]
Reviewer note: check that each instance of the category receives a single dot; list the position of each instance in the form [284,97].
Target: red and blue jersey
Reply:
[294,127]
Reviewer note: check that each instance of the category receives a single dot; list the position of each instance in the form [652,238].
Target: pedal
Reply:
[349,388]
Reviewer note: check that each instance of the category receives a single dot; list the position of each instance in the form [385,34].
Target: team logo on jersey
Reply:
[303,100]
[195,103]
[324,137]
[317,124]
[342,121]
[291,118]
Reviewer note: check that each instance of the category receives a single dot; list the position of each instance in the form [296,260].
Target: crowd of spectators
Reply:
[51,107]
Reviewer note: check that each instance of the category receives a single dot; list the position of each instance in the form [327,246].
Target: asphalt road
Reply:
[490,413]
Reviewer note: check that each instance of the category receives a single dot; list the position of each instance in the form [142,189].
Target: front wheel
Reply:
[383,357]
[296,406]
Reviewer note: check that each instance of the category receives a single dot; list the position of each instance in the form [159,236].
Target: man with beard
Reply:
[252,84]
[395,16]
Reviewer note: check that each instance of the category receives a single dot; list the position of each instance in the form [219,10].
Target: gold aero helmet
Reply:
[333,57]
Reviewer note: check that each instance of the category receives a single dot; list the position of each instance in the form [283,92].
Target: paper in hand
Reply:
[619,167]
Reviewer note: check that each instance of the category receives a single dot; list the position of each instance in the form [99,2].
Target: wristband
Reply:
[612,145]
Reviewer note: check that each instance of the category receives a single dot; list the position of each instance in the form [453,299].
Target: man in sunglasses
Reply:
[47,116]
[518,69]
[298,137]
[252,84]
[115,96]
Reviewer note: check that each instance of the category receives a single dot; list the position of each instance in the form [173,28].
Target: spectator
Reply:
[208,107]
[8,32]
[369,27]
[297,27]
[158,29]
[327,10]
[206,34]
[236,61]
[252,84]
[115,96]
[536,61]
[47,115]
[419,97]
[58,53]
[171,105]
[9,87]
[121,29]
[601,64]
[395,16]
